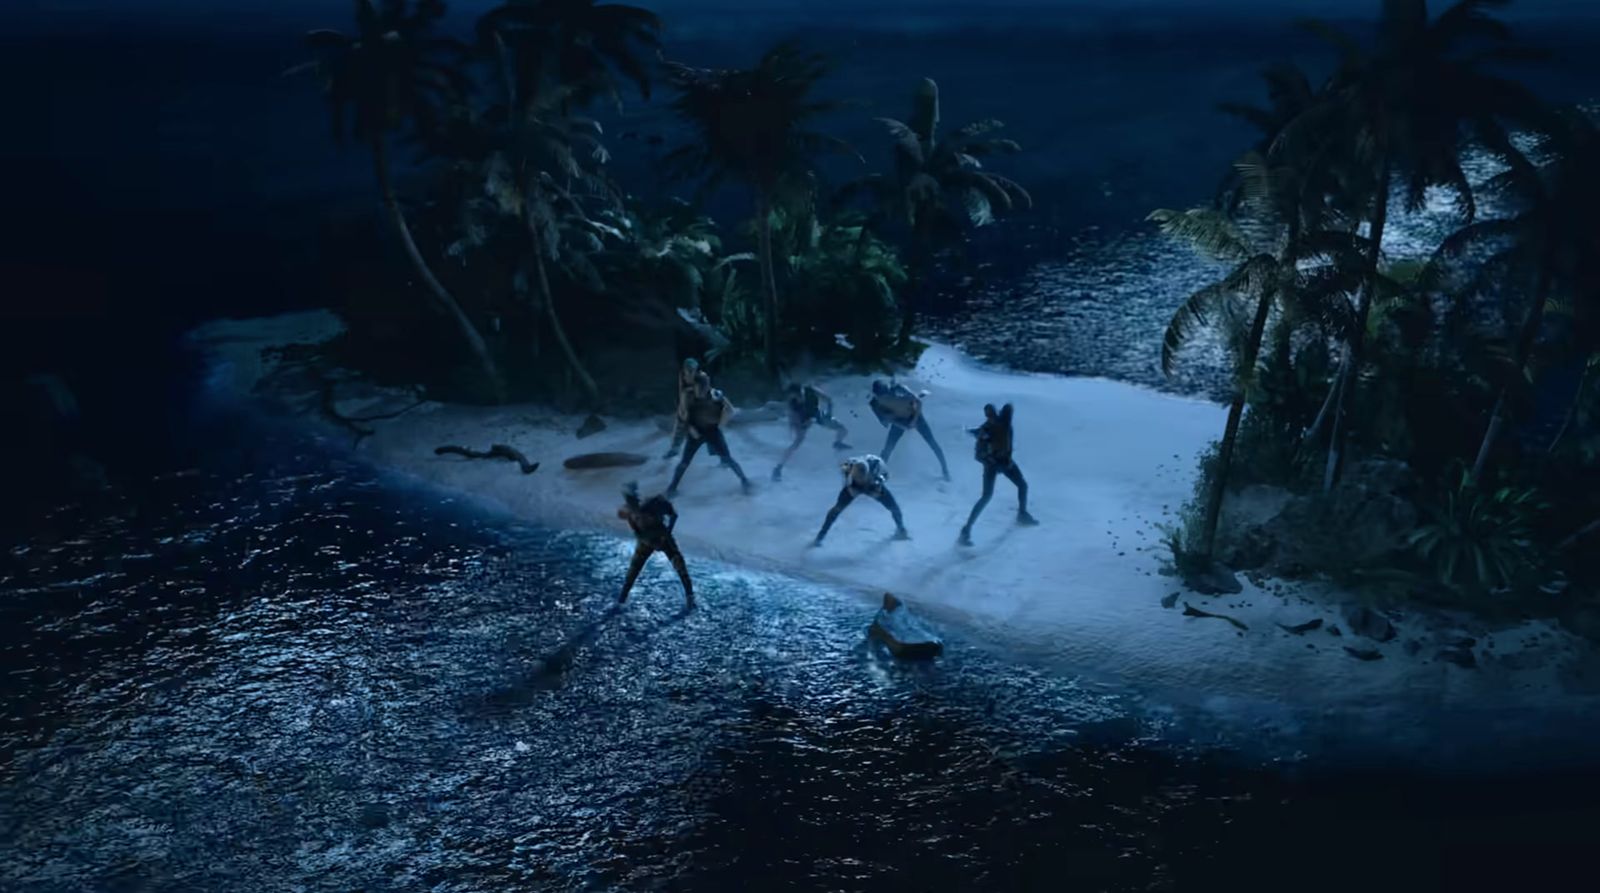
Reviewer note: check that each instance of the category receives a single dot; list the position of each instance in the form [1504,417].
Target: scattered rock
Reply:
[1364,653]
[1213,579]
[591,425]
[1584,621]
[1302,628]
[1169,600]
[1461,657]
[1334,631]
[1368,623]
[903,633]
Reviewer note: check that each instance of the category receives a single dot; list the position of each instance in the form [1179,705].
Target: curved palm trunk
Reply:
[1230,432]
[469,332]
[590,389]
[1525,339]
[1341,428]
[769,285]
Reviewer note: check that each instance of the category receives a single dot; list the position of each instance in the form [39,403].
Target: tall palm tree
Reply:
[1283,243]
[753,129]
[1551,240]
[940,183]
[579,45]
[388,76]
[542,167]
[1398,113]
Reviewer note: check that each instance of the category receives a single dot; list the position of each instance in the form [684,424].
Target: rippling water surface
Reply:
[289,674]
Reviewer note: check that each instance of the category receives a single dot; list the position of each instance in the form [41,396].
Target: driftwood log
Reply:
[497,451]
[1191,611]
[605,460]
[1302,628]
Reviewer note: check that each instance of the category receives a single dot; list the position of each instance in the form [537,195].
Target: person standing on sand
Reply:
[652,521]
[864,476]
[994,452]
[899,410]
[809,405]
[686,374]
[703,416]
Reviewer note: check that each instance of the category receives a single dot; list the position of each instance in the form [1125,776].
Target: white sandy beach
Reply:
[1107,463]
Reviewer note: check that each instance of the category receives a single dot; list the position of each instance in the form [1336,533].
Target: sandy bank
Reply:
[1107,462]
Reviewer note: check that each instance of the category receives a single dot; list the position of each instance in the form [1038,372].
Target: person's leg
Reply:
[641,554]
[846,496]
[799,438]
[989,472]
[1015,474]
[678,564]
[678,435]
[840,432]
[927,434]
[693,446]
[887,499]
[895,433]
[718,443]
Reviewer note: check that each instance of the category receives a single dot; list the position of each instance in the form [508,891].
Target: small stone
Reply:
[1364,653]
[1334,631]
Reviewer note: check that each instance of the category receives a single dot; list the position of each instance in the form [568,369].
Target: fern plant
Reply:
[1479,540]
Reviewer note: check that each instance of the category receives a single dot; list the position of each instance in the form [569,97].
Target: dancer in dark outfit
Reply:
[864,476]
[704,415]
[652,521]
[686,376]
[807,406]
[994,452]
[899,409]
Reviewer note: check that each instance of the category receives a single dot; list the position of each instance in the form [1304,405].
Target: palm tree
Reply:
[1285,229]
[753,129]
[1551,241]
[384,78]
[1398,113]
[940,182]
[579,45]
[543,169]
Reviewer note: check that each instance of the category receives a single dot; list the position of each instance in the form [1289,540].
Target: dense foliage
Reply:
[545,266]
[1446,402]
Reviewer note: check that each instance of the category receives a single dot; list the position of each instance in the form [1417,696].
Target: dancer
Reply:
[704,415]
[899,409]
[652,521]
[864,476]
[686,374]
[994,451]
[808,405]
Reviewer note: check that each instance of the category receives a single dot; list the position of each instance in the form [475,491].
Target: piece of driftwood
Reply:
[605,460]
[357,424]
[1364,653]
[1302,628]
[1191,611]
[497,451]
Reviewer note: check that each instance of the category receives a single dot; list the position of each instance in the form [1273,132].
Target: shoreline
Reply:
[1084,590]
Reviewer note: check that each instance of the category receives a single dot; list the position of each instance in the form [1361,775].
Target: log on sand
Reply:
[497,451]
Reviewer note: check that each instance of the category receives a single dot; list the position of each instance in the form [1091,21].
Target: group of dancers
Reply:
[703,411]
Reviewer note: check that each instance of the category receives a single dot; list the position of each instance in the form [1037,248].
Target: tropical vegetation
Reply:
[496,176]
[1408,395]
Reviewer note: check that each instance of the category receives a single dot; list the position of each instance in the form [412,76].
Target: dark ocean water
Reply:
[259,665]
